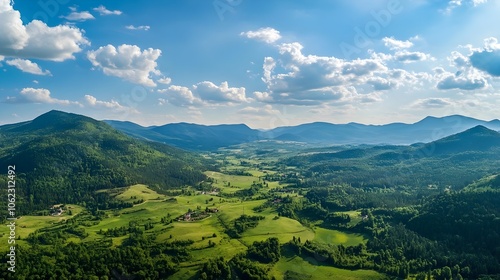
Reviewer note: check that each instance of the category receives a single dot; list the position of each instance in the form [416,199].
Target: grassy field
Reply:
[136,192]
[211,229]
[28,224]
[336,237]
[309,268]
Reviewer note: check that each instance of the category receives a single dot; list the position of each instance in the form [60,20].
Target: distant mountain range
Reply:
[454,160]
[211,137]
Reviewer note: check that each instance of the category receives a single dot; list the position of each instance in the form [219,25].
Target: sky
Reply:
[262,63]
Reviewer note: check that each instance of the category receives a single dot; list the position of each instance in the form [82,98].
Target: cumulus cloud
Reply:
[472,71]
[204,93]
[27,66]
[37,95]
[431,103]
[78,16]
[487,61]
[92,102]
[309,80]
[105,12]
[140,27]
[469,80]
[488,58]
[401,52]
[458,60]
[408,57]
[453,4]
[36,39]
[128,62]
[267,34]
[395,44]
[165,80]
[379,83]
[212,93]
[266,110]
[179,96]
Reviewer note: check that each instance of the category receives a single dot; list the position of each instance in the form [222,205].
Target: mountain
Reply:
[426,130]
[191,136]
[211,137]
[455,160]
[476,139]
[65,158]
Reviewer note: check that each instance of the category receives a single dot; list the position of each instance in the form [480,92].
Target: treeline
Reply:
[243,223]
[138,258]
[393,166]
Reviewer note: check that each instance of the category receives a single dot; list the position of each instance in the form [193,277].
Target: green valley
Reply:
[97,204]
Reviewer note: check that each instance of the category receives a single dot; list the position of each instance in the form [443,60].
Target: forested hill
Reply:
[65,158]
[456,160]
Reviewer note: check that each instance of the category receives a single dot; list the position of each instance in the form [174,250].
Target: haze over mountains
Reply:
[210,137]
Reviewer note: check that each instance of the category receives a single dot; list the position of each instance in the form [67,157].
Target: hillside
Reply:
[455,160]
[61,157]
[476,139]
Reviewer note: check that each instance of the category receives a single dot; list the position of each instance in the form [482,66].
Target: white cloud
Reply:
[36,39]
[453,4]
[458,60]
[491,44]
[267,34]
[127,62]
[179,96]
[394,44]
[467,80]
[203,93]
[92,102]
[478,2]
[379,83]
[140,27]
[488,58]
[401,52]
[473,71]
[165,80]
[409,57]
[208,91]
[266,110]
[27,66]
[298,79]
[105,12]
[79,16]
[431,103]
[37,95]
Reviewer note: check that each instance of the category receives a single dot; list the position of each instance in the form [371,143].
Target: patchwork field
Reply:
[151,207]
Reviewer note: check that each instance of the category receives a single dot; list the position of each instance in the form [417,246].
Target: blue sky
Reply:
[263,63]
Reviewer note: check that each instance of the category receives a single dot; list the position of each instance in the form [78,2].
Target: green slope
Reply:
[65,158]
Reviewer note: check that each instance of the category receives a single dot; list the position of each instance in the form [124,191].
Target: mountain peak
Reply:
[477,138]
[480,129]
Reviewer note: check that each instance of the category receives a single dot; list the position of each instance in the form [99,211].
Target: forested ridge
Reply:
[61,157]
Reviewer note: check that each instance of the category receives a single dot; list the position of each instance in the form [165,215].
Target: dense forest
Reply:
[65,157]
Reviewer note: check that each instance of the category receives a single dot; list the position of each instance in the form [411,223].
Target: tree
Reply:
[446,273]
